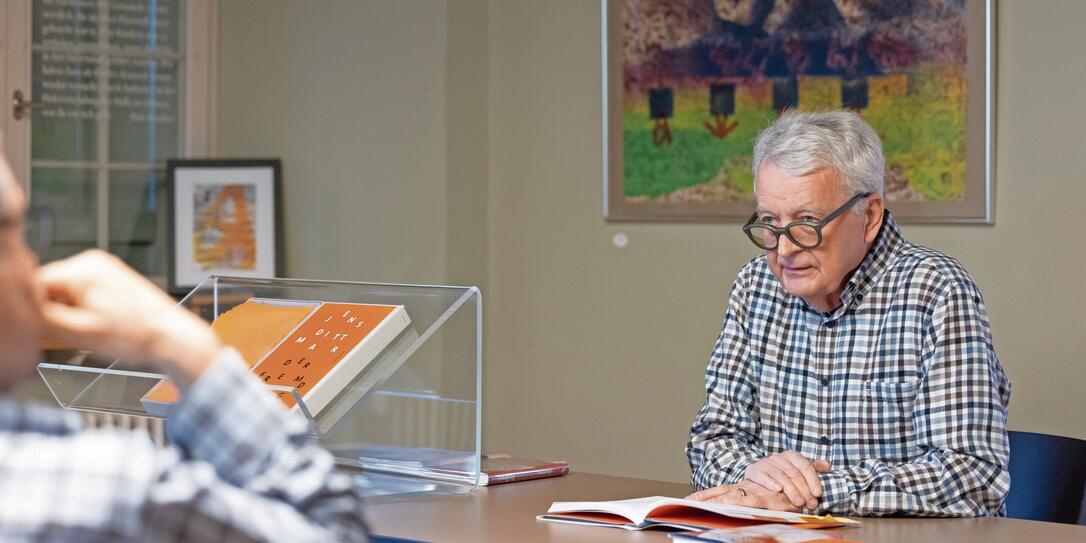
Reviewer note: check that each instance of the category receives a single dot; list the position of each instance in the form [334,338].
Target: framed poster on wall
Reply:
[225,218]
[689,84]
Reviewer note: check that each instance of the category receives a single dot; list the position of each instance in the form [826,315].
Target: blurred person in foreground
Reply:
[239,467]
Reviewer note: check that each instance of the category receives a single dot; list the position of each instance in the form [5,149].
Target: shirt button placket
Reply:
[827,404]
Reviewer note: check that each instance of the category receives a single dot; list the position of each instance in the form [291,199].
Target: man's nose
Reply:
[785,246]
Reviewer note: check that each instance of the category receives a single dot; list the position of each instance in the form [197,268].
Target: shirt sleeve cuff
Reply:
[739,470]
[230,420]
[712,474]
[836,493]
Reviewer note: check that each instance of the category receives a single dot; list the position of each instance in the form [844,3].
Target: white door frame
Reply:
[15,74]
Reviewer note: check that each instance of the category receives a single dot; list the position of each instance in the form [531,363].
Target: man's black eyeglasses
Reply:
[805,234]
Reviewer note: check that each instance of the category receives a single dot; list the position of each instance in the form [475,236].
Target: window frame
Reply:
[199,104]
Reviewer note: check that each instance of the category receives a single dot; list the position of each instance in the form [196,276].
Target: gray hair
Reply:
[802,143]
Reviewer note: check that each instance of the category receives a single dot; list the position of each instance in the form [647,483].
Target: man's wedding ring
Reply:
[742,493]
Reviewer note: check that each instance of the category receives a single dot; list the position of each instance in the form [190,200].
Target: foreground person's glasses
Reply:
[37,226]
[805,234]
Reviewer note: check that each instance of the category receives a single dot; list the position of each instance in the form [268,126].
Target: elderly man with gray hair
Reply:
[855,372]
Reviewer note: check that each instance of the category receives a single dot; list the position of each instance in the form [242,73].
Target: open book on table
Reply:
[660,511]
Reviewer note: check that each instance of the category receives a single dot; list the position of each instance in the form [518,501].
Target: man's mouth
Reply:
[795,270]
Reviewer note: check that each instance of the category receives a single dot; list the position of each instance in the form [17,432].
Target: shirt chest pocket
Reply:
[895,392]
[883,414]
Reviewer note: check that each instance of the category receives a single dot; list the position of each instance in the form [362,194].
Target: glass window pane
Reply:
[67,129]
[143,114]
[137,218]
[77,138]
[65,22]
[71,196]
[145,25]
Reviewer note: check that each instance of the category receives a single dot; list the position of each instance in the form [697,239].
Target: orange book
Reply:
[253,327]
[324,353]
[317,348]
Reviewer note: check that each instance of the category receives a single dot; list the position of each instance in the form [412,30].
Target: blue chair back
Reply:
[1048,478]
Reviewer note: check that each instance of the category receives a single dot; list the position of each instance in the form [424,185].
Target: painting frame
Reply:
[186,179]
[976,207]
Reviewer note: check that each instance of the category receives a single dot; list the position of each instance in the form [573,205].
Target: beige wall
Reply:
[467,88]
[450,123]
[377,110]
[353,100]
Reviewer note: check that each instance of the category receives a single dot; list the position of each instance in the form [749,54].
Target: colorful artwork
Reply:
[692,82]
[224,219]
[223,234]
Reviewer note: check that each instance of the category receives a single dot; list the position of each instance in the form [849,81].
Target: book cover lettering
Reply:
[315,347]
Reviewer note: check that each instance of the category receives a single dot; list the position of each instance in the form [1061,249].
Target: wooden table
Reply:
[507,513]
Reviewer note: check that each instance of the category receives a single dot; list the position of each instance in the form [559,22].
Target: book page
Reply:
[256,326]
[634,509]
[253,327]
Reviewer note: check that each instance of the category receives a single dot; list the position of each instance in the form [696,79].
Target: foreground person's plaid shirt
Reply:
[898,388]
[242,470]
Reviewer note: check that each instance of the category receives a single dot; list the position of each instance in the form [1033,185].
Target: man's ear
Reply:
[873,217]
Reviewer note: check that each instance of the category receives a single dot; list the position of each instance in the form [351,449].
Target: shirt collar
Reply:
[887,244]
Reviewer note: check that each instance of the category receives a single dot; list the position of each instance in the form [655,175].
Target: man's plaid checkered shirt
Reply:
[899,388]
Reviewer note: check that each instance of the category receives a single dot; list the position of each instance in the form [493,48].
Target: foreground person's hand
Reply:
[94,301]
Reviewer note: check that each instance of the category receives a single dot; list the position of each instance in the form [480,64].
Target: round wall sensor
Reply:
[620,240]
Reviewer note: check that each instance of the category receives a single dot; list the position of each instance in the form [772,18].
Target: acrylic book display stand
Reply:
[401,406]
[316,348]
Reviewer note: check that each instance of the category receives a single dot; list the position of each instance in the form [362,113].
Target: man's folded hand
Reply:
[96,302]
[785,481]
[792,474]
[746,493]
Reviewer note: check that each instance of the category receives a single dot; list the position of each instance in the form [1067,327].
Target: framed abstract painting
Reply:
[690,83]
[225,218]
